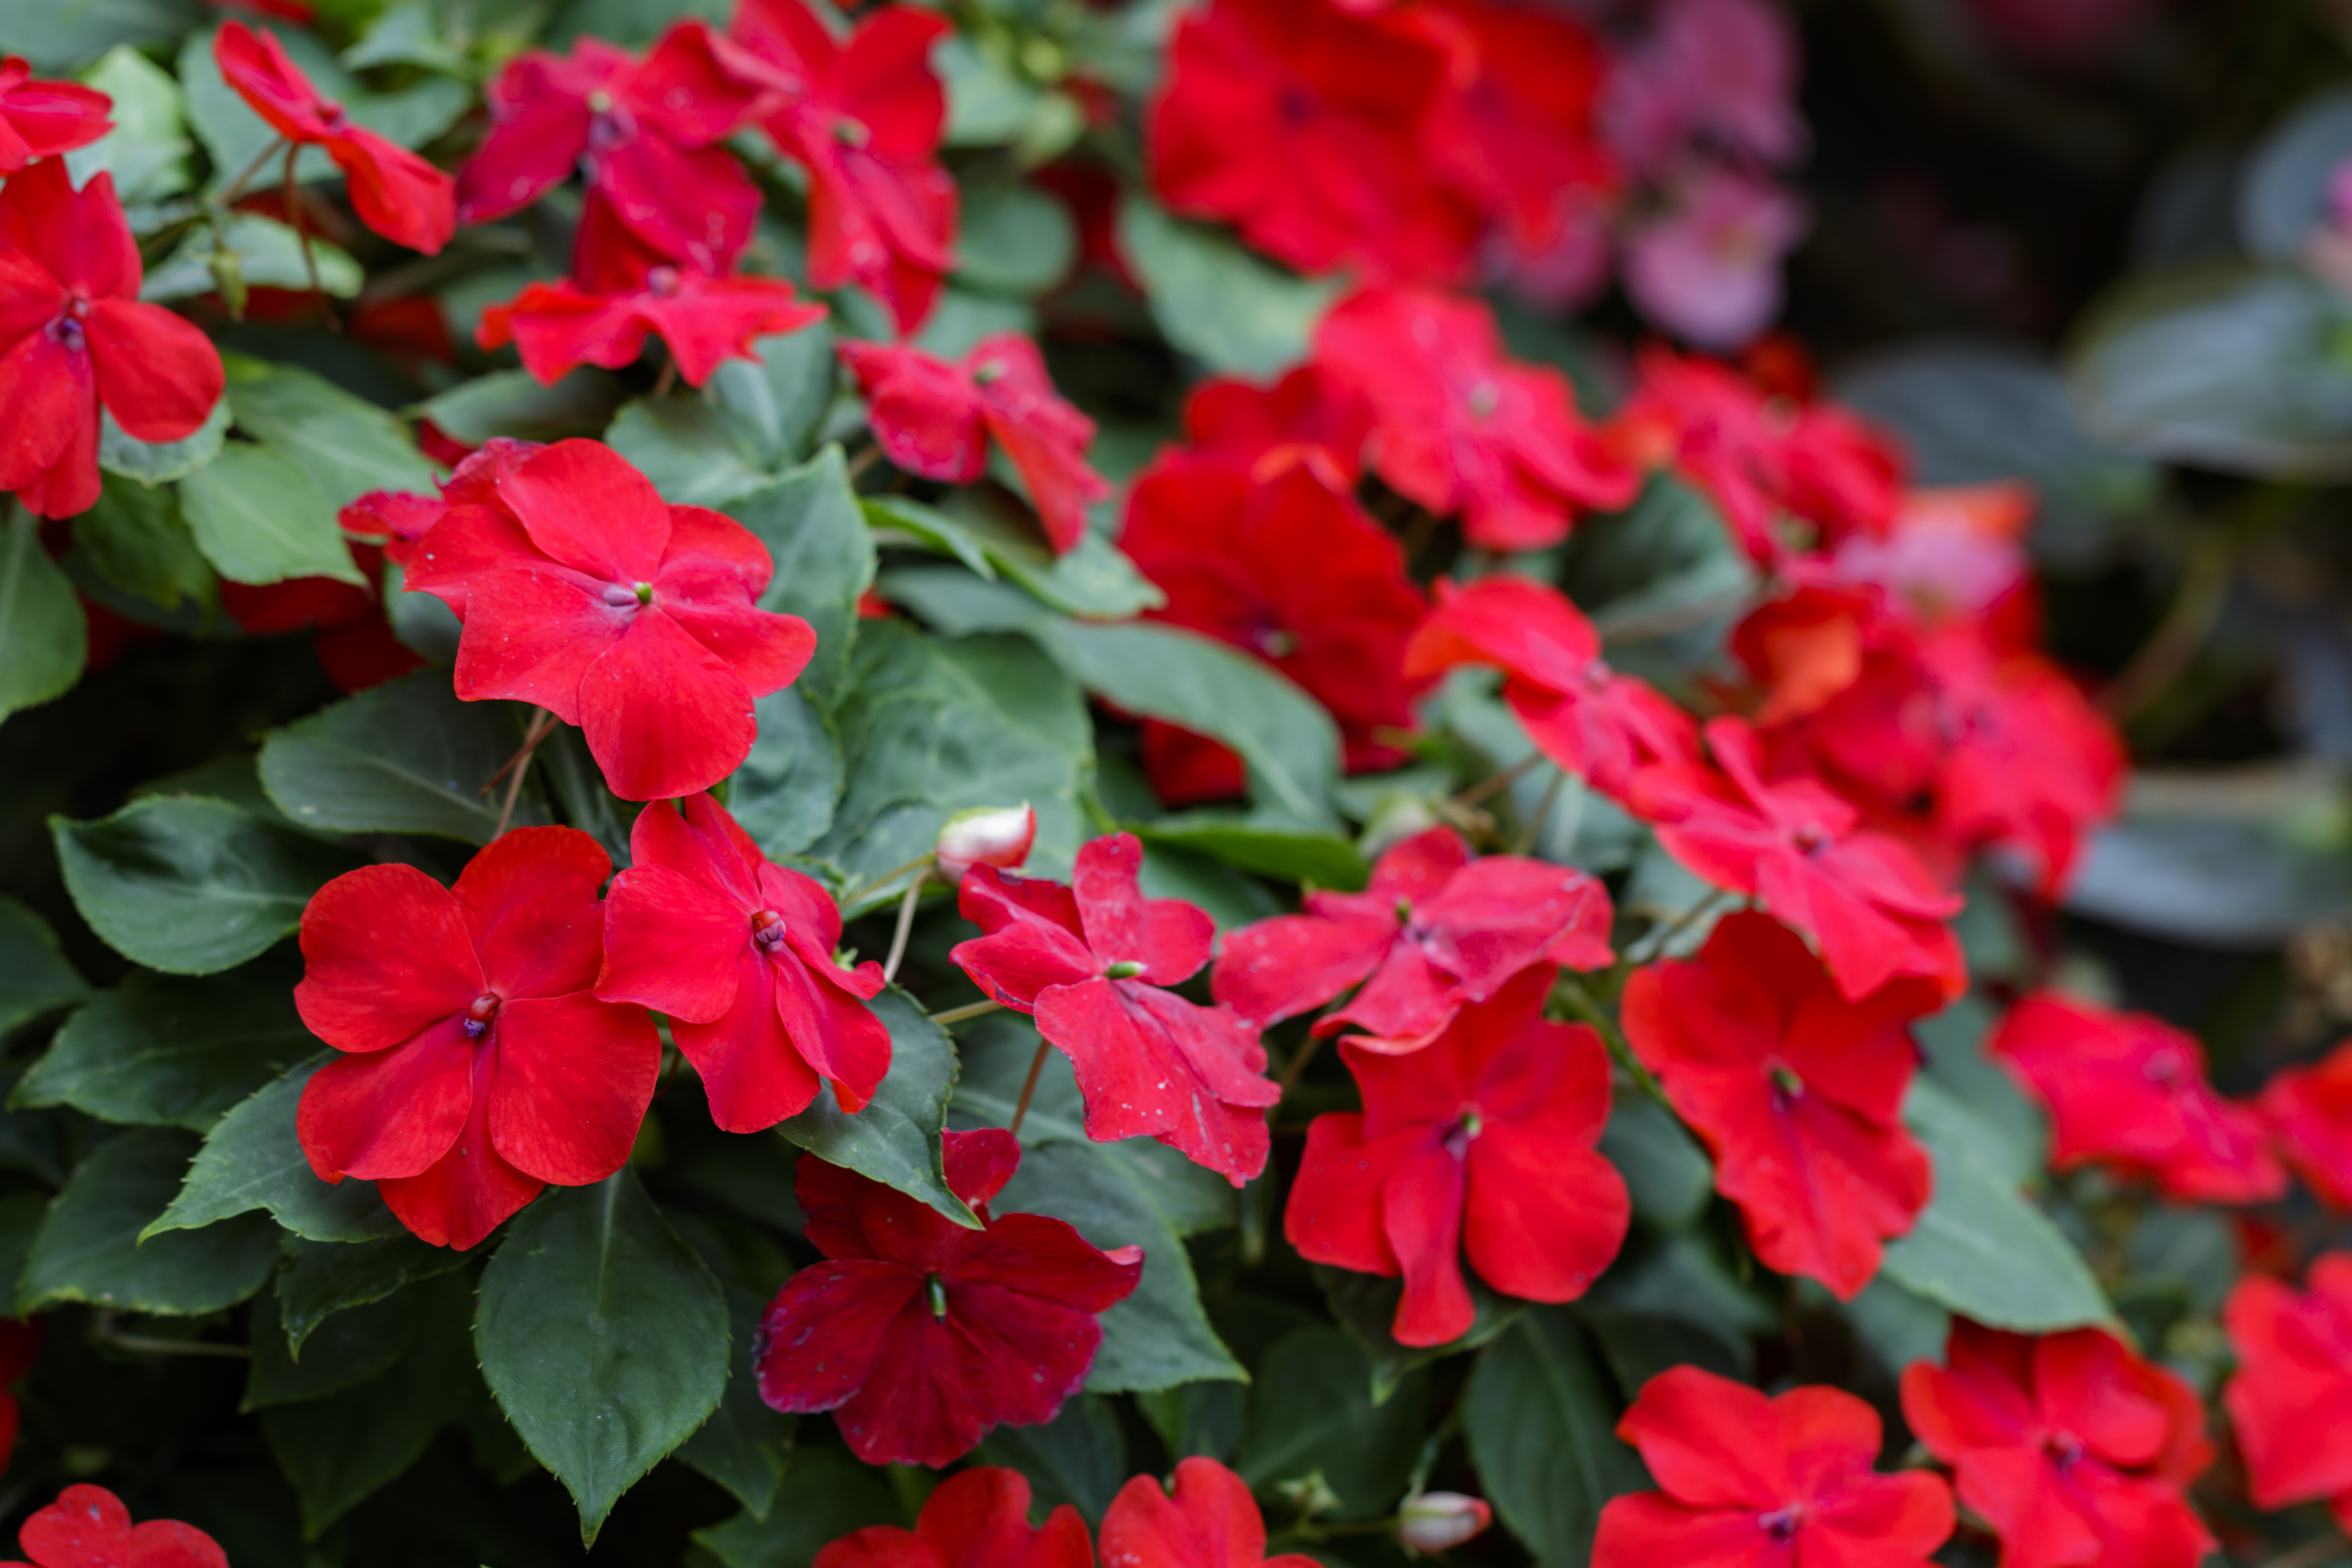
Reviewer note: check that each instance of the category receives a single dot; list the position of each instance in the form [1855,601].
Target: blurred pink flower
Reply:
[1726,68]
[1707,269]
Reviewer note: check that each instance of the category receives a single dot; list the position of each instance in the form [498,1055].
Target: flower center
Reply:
[1787,1088]
[1597,675]
[662,279]
[1482,399]
[1296,105]
[1811,839]
[478,1014]
[986,371]
[1466,1127]
[69,329]
[333,117]
[644,592]
[1274,642]
[851,133]
[2066,1450]
[767,928]
[1124,969]
[1782,1524]
[937,1288]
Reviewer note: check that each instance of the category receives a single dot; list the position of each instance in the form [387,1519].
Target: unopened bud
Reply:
[1434,1522]
[985,835]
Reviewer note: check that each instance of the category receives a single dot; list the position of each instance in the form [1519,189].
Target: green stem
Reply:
[905,926]
[958,1014]
[1579,1001]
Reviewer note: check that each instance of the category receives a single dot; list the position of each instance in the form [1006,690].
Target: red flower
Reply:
[975,1519]
[1211,1521]
[2293,1383]
[481,1065]
[1310,416]
[2309,1109]
[646,134]
[864,117]
[1459,428]
[395,192]
[1090,959]
[1796,1091]
[1517,137]
[2071,1448]
[1292,571]
[20,1345]
[1710,424]
[622,290]
[920,1335]
[73,336]
[1747,1481]
[1482,1142]
[1792,843]
[350,634]
[1304,127]
[1594,722]
[41,119]
[88,1527]
[2129,1090]
[582,591]
[739,953]
[935,418]
[1434,930]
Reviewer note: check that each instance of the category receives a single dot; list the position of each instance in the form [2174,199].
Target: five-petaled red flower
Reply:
[1210,1521]
[2129,1090]
[396,192]
[1749,1481]
[864,117]
[1090,959]
[88,1527]
[1482,1142]
[975,1519]
[1433,931]
[1310,416]
[1794,844]
[2292,1385]
[935,418]
[41,119]
[2070,1446]
[480,1064]
[1459,428]
[74,337]
[1518,137]
[582,591]
[1796,1091]
[2309,1109]
[739,953]
[1591,721]
[648,132]
[919,1334]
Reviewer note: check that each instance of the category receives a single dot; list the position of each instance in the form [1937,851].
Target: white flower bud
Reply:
[985,835]
[1433,1521]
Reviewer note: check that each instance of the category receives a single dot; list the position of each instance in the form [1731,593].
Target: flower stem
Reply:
[1028,1089]
[1496,782]
[519,765]
[905,926]
[1655,946]
[260,162]
[1297,1066]
[958,1014]
[1580,1003]
[302,232]
[105,1332]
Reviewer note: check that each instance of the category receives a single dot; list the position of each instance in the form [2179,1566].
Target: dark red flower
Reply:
[975,1519]
[1090,959]
[919,1334]
[1310,416]
[646,134]
[1869,907]
[1596,723]
[481,1067]
[2292,1385]
[2129,1090]
[1433,931]
[1748,1481]
[20,1344]
[74,337]
[1210,1522]
[1481,1142]
[864,117]
[2073,1449]
[41,119]
[1459,428]
[1517,137]
[2309,1109]
[739,953]
[88,1527]
[582,591]
[1304,127]
[620,291]
[349,631]
[395,192]
[1294,572]
[1796,1091]
[935,418]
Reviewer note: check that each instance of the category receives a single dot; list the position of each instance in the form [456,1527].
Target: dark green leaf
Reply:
[2210,876]
[1094,580]
[744,1445]
[59,35]
[1311,1413]
[1198,1418]
[1664,1169]
[1898,1328]
[90,1247]
[810,522]
[1013,239]
[1366,1306]
[252,1160]
[21,1214]
[895,1139]
[686,447]
[160,462]
[188,885]
[170,1051]
[784,792]
[897,520]
[135,539]
[603,1337]
[402,757]
[43,638]
[818,1504]
[510,403]
[1215,301]
[321,1279]
[1540,1420]
[1280,848]
[1682,1280]
[351,1349]
[265,254]
[1078,1458]
[34,976]
[346,445]
[1639,1345]
[2283,193]
[777,402]
[259,518]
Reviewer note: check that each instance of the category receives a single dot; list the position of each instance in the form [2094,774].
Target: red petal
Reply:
[539,127]
[832,1031]
[574,1077]
[1421,1216]
[1211,1521]
[158,375]
[752,1067]
[978,1163]
[80,238]
[529,899]
[1290,965]
[386,953]
[670,942]
[822,1337]
[1710,1442]
[1334,1214]
[389,1113]
[47,396]
[925,413]
[1152,1064]
[396,192]
[1546,1214]
[587,507]
[529,635]
[663,715]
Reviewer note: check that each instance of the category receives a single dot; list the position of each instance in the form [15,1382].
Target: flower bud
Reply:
[1433,1521]
[985,835]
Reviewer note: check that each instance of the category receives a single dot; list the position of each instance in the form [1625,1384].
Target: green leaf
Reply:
[928,727]
[1981,1249]
[259,518]
[510,403]
[1540,1420]
[402,757]
[167,1051]
[266,253]
[147,150]
[1280,849]
[61,35]
[89,1248]
[346,445]
[34,975]
[810,522]
[188,885]
[1312,1414]
[353,1347]
[1013,239]
[253,1159]
[1216,301]
[603,1337]
[134,538]
[21,1214]
[43,638]
[1095,580]
[321,1279]
[744,1445]
[784,792]
[2283,191]
[818,1504]
[1078,1458]
[897,520]
[1665,1170]
[777,402]
[160,462]
[1366,1306]
[686,447]
[895,1139]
